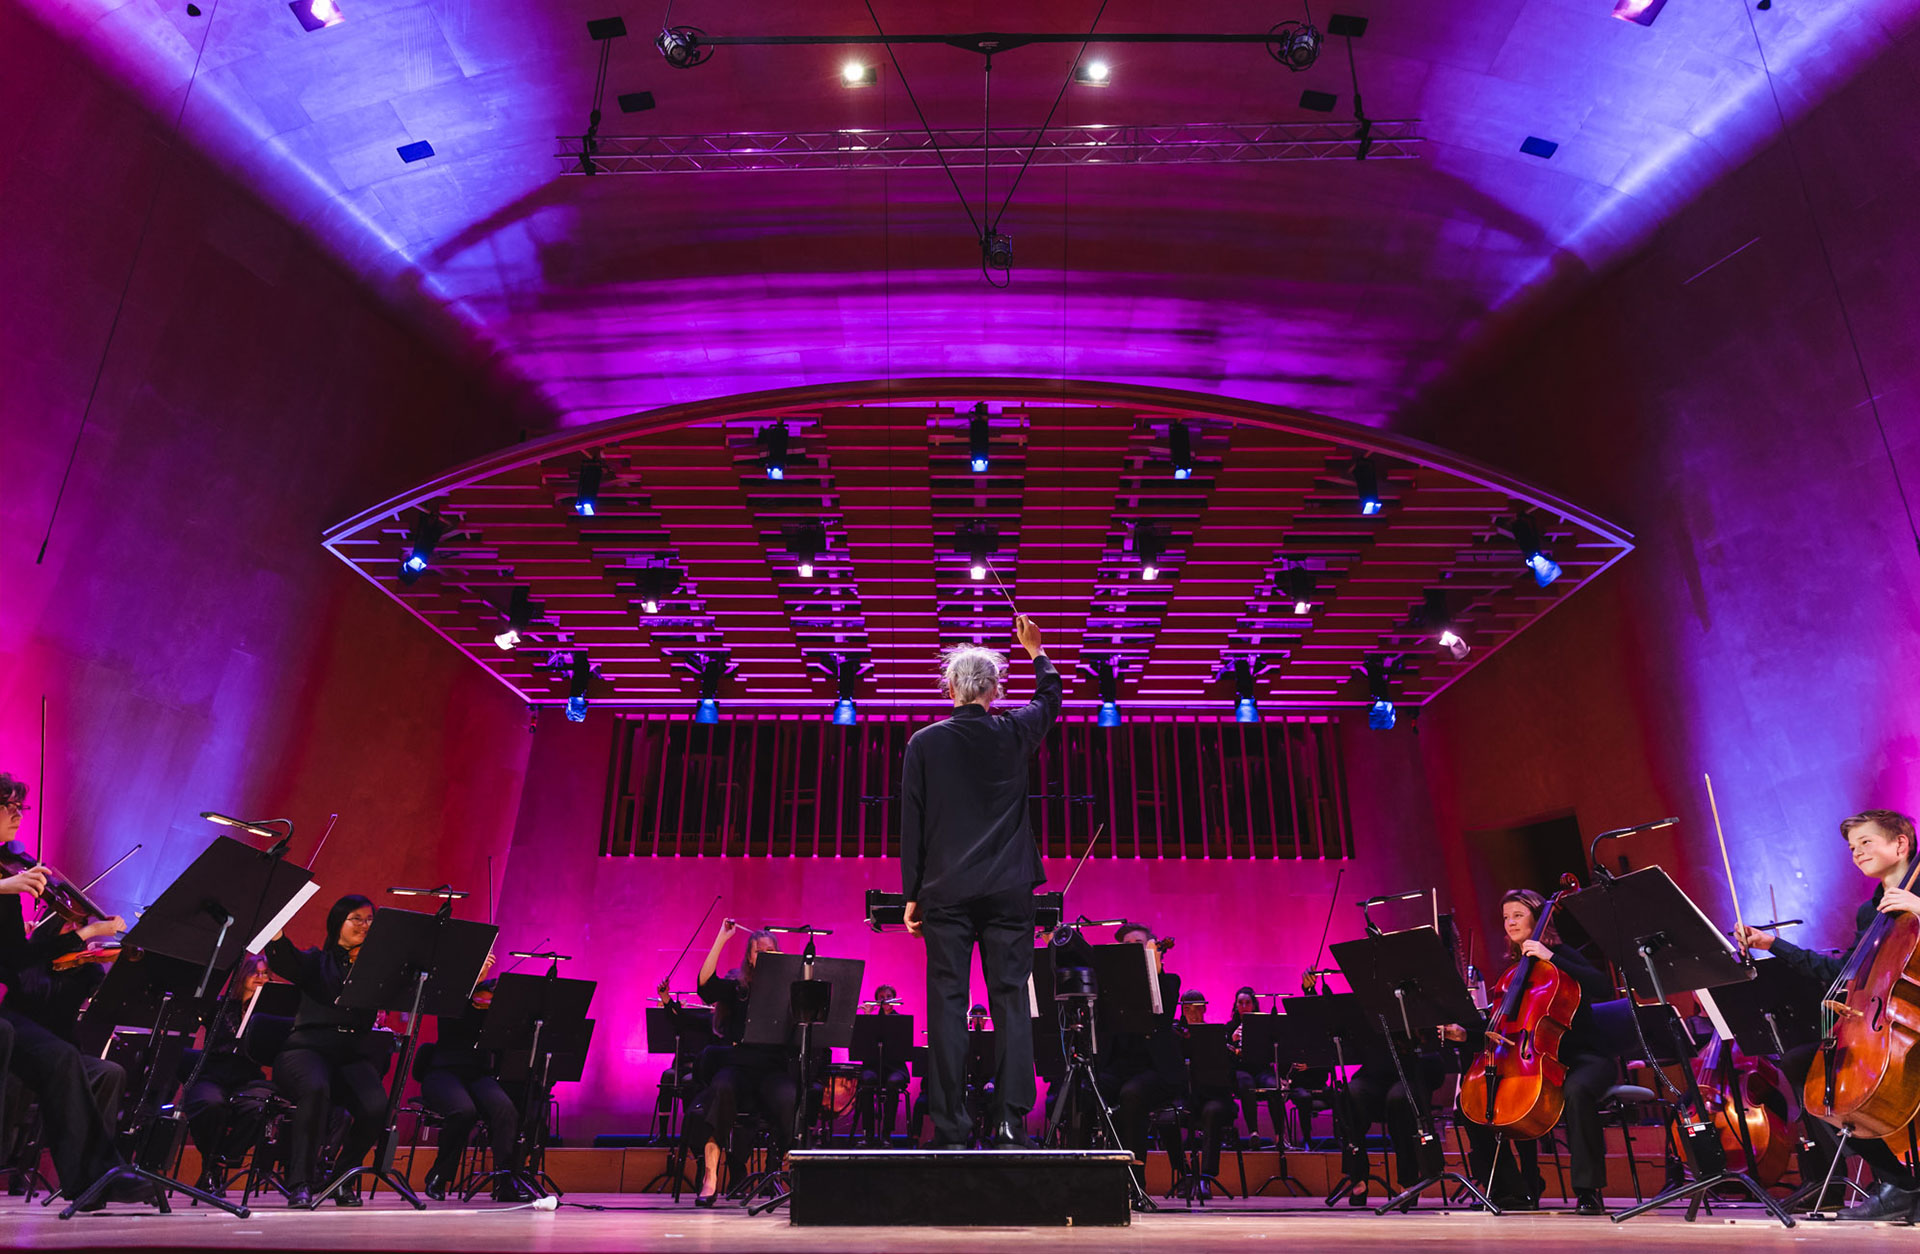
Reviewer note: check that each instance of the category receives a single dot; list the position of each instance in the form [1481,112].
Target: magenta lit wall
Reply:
[1767,628]
[626,918]
[196,646]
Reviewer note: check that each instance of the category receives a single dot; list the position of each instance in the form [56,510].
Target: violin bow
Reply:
[88,886]
[690,939]
[1726,863]
[40,793]
[331,820]
[1333,899]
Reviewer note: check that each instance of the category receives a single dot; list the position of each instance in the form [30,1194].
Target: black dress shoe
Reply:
[435,1187]
[706,1201]
[1883,1201]
[349,1196]
[1009,1135]
[300,1197]
[507,1189]
[1588,1202]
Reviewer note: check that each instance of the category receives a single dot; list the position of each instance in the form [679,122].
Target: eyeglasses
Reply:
[15,808]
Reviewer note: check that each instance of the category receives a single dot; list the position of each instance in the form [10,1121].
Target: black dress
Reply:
[739,1078]
[332,1056]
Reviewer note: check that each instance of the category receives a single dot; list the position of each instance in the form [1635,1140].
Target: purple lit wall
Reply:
[626,918]
[197,647]
[1766,630]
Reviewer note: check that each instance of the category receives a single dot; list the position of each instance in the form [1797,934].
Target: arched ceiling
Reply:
[1078,493]
[1336,286]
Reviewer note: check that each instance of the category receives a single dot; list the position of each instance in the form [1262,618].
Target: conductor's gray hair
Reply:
[969,672]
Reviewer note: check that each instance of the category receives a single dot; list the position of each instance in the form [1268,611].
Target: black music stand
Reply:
[1654,933]
[1407,981]
[420,964]
[1330,1030]
[1270,1038]
[215,907]
[882,1042]
[1116,992]
[815,999]
[1207,1056]
[682,1031]
[538,1027]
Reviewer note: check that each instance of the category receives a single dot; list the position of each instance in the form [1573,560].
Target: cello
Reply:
[1516,1085]
[1860,1081]
[1756,1119]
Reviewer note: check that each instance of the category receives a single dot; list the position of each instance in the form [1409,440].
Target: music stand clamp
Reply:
[419,963]
[202,919]
[535,1020]
[1659,937]
[1407,981]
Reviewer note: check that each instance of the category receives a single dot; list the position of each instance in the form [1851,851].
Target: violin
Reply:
[1762,1101]
[1859,1079]
[100,953]
[61,895]
[1517,1084]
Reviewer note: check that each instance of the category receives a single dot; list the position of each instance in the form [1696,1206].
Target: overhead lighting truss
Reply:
[1203,143]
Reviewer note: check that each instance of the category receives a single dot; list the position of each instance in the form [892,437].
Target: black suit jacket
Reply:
[963,788]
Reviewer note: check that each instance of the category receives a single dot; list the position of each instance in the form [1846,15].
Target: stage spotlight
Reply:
[978,542]
[1533,548]
[854,74]
[978,569]
[1435,616]
[1093,74]
[774,440]
[1380,715]
[847,686]
[317,14]
[978,439]
[1109,681]
[577,687]
[1246,709]
[845,714]
[681,48]
[996,251]
[427,532]
[657,583]
[1301,588]
[1366,484]
[1149,547]
[806,541]
[519,614]
[586,493]
[711,673]
[1295,45]
[1180,450]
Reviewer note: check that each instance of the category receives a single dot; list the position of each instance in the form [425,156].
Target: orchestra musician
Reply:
[458,1082]
[878,1096]
[46,1062]
[54,998]
[1305,1087]
[1881,843]
[969,866]
[1591,1071]
[1213,1107]
[333,1056]
[739,1077]
[1141,1072]
[227,1105]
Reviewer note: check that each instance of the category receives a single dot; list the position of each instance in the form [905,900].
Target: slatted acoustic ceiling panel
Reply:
[1079,492]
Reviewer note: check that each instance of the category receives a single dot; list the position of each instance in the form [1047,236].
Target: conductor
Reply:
[970,866]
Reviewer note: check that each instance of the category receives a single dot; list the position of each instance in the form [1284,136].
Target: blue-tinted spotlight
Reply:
[1180,450]
[1380,715]
[416,562]
[586,495]
[1366,485]
[1369,508]
[1109,714]
[576,709]
[774,439]
[708,711]
[979,465]
[844,713]
[1545,569]
[979,439]
[1245,710]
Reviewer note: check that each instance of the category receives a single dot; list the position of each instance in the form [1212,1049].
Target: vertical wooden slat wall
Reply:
[764,786]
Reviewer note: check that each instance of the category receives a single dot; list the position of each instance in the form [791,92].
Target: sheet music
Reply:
[280,920]
[1720,1027]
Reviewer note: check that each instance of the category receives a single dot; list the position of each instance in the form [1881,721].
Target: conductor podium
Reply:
[960,1188]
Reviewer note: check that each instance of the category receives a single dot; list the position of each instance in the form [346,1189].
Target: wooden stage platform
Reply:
[651,1222]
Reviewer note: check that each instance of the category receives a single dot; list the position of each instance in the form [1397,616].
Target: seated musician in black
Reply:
[332,1057]
[1211,1107]
[1591,1071]
[879,1095]
[226,1105]
[743,1077]
[1881,843]
[1141,1072]
[1374,1094]
[459,1081]
[45,1062]
[1305,1087]
[54,999]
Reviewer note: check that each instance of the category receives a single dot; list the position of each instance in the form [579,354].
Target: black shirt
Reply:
[963,785]
[319,974]
[1824,968]
[1582,1036]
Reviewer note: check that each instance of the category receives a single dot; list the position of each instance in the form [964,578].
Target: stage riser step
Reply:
[959,1188]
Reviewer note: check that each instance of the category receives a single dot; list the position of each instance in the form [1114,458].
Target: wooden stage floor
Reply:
[651,1222]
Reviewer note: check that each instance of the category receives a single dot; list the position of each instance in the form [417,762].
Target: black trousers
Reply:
[1375,1095]
[754,1084]
[1001,924]
[225,1119]
[1589,1076]
[1887,1167]
[1134,1098]
[317,1071]
[879,1099]
[1212,1118]
[56,1072]
[461,1100]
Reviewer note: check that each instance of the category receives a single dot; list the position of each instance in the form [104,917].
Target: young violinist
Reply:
[333,1055]
[745,1077]
[1881,843]
[47,1063]
[1590,1073]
